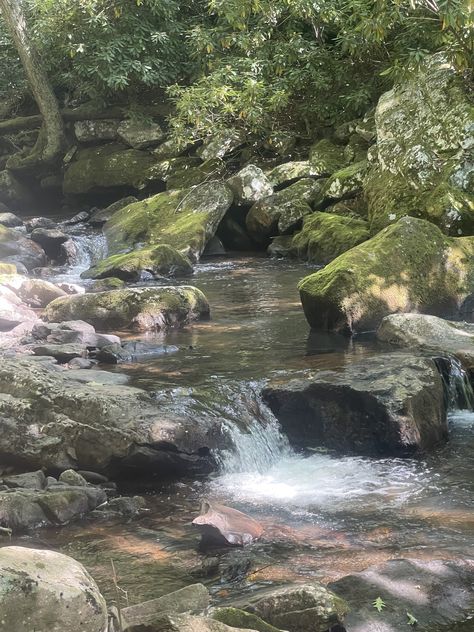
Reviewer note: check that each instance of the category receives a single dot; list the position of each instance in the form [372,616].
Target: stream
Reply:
[324,516]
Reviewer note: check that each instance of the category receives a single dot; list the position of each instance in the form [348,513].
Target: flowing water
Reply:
[324,516]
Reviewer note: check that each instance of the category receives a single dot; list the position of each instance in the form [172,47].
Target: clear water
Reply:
[324,516]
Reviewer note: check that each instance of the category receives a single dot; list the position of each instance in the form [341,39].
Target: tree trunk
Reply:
[51,139]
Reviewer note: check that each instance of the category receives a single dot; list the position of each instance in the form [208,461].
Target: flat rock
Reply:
[391,404]
[438,593]
[224,525]
[63,353]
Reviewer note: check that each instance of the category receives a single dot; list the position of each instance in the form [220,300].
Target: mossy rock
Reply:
[139,309]
[408,267]
[189,175]
[325,236]
[7,268]
[422,163]
[343,184]
[156,260]
[282,212]
[290,171]
[184,220]
[325,157]
[105,284]
[236,618]
[353,207]
[13,192]
[107,167]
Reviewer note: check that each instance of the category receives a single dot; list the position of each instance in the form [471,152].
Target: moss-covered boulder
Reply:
[184,220]
[325,236]
[187,173]
[325,157]
[220,144]
[410,266]
[107,167]
[344,184]
[422,165]
[140,309]
[132,266]
[140,134]
[236,618]
[290,171]
[283,211]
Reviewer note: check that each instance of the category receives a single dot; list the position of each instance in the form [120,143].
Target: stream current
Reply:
[324,516]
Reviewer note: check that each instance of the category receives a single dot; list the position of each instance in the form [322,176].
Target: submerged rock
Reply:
[437,594]
[48,591]
[140,309]
[422,162]
[391,404]
[223,525]
[191,599]
[408,267]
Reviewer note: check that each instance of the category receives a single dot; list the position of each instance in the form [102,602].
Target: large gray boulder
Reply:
[140,134]
[391,404]
[46,591]
[422,163]
[420,331]
[249,185]
[436,593]
[17,249]
[140,309]
[50,419]
[96,131]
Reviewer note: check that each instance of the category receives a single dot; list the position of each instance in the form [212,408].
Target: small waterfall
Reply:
[256,440]
[86,249]
[461,393]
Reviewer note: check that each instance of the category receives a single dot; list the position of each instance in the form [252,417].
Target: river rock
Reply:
[78,218]
[105,284]
[140,309]
[28,480]
[184,173]
[193,599]
[184,220]
[140,134]
[12,311]
[38,222]
[48,592]
[420,331]
[299,608]
[155,261]
[10,220]
[325,236]
[219,524]
[71,477]
[184,623]
[8,269]
[343,184]
[282,212]
[100,216]
[423,158]
[96,131]
[39,293]
[63,353]
[220,144]
[389,273]
[22,509]
[50,239]
[437,593]
[17,249]
[236,618]
[49,419]
[249,185]
[391,404]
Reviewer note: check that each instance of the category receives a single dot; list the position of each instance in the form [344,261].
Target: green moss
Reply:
[325,157]
[236,618]
[184,220]
[190,175]
[104,284]
[157,260]
[7,268]
[409,266]
[325,236]
[109,166]
[290,171]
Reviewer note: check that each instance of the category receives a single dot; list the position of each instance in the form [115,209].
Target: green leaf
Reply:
[379,604]
[411,619]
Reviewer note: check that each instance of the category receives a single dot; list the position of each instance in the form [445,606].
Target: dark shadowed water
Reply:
[324,516]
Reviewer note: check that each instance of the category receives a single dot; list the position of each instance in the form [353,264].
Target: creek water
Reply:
[324,516]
